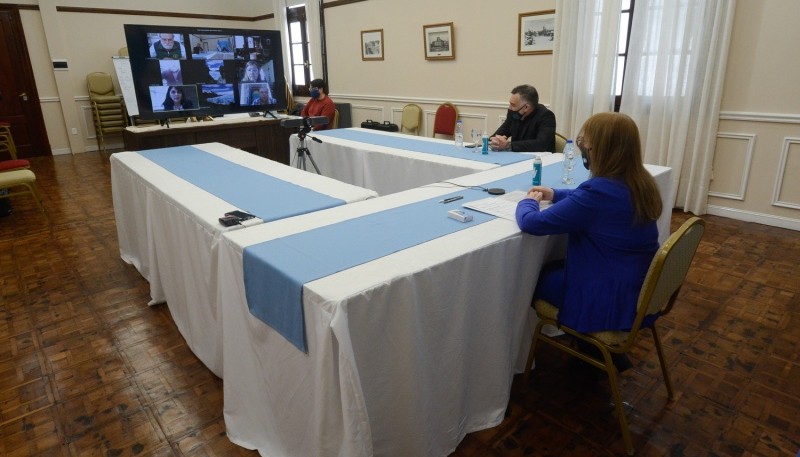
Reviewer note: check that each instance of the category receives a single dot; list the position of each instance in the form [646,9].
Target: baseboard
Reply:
[759,218]
[61,152]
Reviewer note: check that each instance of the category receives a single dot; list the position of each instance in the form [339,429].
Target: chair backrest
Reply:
[99,84]
[335,124]
[445,121]
[123,52]
[667,271]
[412,119]
[7,141]
[561,141]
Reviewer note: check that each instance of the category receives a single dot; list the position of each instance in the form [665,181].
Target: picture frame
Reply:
[536,33]
[439,41]
[372,44]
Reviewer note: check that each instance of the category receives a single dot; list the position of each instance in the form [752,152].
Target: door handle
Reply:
[24,96]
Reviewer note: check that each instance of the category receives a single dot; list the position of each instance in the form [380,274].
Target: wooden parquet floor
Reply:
[87,368]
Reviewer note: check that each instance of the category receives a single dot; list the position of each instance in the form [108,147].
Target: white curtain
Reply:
[673,86]
[314,30]
[584,61]
[280,19]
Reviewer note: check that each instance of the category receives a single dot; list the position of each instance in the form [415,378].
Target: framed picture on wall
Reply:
[372,44]
[439,41]
[536,32]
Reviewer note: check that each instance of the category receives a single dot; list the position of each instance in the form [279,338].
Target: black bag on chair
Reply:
[374,125]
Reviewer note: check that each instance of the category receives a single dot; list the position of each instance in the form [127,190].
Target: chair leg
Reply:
[663,361]
[32,190]
[613,382]
[38,199]
[531,353]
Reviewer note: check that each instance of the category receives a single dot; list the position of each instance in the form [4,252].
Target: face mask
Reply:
[584,156]
[515,115]
[314,93]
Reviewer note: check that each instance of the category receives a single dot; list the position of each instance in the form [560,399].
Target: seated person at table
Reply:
[529,126]
[610,222]
[319,104]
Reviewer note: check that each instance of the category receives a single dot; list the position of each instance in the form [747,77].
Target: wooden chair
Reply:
[335,123]
[411,120]
[8,147]
[561,141]
[20,178]
[445,121]
[108,109]
[657,296]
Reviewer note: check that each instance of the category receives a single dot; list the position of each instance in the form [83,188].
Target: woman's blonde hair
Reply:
[616,152]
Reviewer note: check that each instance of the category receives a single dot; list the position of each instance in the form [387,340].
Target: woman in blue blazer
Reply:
[610,221]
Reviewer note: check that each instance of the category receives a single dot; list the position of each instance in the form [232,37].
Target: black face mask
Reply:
[515,115]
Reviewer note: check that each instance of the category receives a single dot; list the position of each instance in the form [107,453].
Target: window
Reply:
[622,50]
[299,55]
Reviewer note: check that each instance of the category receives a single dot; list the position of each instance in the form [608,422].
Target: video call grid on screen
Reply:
[229,70]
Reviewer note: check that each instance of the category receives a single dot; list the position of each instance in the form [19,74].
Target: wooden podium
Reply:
[261,136]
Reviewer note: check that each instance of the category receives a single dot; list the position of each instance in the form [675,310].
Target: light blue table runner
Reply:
[275,271]
[238,185]
[409,143]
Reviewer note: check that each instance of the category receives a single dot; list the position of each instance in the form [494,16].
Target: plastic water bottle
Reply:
[568,163]
[485,143]
[459,135]
[537,171]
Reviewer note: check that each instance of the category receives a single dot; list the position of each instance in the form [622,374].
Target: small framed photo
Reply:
[372,44]
[439,41]
[536,32]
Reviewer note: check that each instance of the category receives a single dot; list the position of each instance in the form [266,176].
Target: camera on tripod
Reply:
[304,124]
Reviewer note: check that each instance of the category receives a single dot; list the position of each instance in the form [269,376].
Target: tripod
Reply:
[302,152]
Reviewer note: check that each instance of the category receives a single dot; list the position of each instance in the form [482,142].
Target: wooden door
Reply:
[19,100]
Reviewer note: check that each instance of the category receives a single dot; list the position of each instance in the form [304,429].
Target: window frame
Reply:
[624,55]
[298,14]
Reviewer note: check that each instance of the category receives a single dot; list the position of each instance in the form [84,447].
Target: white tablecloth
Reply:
[407,353]
[168,229]
[383,169]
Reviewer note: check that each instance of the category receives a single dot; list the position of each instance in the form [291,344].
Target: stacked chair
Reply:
[16,178]
[108,109]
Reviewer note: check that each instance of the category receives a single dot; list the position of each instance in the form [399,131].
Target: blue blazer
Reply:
[608,254]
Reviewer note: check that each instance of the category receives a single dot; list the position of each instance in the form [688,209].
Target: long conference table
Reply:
[404,351]
[390,162]
[407,351]
[168,227]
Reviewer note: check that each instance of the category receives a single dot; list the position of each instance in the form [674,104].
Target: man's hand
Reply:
[499,143]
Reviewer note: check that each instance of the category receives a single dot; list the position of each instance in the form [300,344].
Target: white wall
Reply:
[756,160]
[87,41]
[478,80]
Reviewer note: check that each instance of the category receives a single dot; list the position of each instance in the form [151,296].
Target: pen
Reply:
[452,199]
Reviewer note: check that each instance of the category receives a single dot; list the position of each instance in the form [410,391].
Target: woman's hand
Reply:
[540,193]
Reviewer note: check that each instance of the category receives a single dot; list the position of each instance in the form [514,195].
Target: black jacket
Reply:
[535,133]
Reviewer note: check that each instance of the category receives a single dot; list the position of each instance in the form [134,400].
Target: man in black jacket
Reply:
[529,126]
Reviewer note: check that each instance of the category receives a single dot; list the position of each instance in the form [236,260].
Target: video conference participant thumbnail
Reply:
[166,45]
[173,98]
[259,94]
